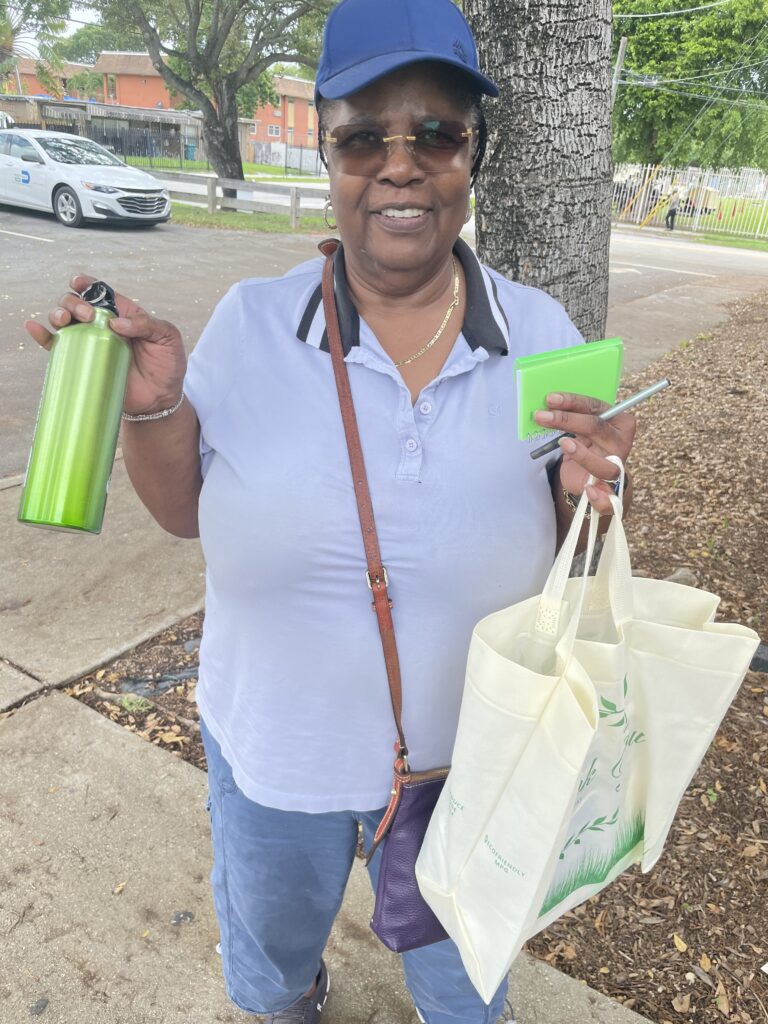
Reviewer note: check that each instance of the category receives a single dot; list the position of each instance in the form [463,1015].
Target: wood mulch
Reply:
[687,941]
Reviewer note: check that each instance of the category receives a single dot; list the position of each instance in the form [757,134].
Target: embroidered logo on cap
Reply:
[458,49]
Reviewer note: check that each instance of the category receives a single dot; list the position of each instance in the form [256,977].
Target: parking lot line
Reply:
[669,270]
[19,234]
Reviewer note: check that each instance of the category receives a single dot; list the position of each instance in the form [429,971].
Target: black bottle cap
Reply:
[100,295]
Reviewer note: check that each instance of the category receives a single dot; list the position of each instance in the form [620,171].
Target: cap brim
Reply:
[353,79]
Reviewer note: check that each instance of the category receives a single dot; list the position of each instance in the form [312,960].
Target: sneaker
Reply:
[306,1010]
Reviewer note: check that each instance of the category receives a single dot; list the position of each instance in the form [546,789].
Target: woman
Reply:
[251,457]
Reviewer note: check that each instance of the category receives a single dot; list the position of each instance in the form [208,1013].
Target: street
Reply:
[662,289]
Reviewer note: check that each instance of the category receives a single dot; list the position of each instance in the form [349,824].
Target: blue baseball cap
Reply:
[366,39]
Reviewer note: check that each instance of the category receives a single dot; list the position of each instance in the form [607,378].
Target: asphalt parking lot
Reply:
[663,290]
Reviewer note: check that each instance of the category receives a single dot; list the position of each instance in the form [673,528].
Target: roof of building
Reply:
[299,88]
[121,62]
[27,66]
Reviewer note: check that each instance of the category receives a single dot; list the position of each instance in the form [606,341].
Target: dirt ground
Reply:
[687,941]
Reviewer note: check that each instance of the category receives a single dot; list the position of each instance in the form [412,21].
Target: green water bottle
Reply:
[73,450]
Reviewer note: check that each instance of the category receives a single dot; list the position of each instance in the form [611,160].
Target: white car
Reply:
[77,179]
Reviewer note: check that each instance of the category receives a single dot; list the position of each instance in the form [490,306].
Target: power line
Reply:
[704,74]
[649,81]
[700,96]
[670,14]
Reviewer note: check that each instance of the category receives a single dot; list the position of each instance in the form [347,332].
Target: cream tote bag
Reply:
[586,712]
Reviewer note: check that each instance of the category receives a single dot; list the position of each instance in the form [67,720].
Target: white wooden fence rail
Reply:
[248,195]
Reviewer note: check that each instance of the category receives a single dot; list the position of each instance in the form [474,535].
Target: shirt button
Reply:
[411,445]
[425,408]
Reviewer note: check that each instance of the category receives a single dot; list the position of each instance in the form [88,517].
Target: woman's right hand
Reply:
[159,362]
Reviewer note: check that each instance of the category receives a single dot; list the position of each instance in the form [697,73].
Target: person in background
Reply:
[674,204]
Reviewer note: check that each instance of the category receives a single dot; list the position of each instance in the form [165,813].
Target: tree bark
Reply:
[543,199]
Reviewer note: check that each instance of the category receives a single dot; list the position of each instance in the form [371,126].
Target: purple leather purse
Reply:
[401,918]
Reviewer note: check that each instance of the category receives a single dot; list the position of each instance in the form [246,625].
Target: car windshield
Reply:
[78,151]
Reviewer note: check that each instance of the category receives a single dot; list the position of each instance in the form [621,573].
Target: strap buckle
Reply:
[377,579]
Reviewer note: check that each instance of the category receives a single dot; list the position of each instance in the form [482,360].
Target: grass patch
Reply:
[734,241]
[234,220]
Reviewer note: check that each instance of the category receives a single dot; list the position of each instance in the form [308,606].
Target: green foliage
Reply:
[249,96]
[85,45]
[30,28]
[87,84]
[675,67]
[295,71]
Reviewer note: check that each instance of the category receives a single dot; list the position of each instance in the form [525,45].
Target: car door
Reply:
[5,166]
[27,176]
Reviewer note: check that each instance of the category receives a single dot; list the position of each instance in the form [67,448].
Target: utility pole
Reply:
[617,69]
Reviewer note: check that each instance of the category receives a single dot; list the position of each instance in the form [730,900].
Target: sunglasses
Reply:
[363,149]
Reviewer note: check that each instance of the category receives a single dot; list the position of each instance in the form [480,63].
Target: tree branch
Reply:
[218,39]
[155,46]
[262,41]
[260,66]
[194,7]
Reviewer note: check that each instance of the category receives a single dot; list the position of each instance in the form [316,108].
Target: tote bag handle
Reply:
[614,581]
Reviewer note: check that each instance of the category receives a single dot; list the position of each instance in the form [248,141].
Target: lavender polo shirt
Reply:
[292,678]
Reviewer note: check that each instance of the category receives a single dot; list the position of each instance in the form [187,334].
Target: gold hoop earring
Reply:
[328,209]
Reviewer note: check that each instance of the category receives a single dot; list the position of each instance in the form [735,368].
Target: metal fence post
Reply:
[295,208]
[212,183]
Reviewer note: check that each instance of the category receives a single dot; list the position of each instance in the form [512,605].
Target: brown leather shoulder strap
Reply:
[377,575]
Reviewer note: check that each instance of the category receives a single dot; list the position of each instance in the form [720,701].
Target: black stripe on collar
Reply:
[481,328]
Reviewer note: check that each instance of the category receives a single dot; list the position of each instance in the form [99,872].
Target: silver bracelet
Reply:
[142,417]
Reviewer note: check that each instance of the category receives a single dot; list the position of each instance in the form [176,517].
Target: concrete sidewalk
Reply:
[105,907]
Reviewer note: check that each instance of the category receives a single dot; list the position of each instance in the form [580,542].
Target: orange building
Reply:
[131,80]
[293,119]
[32,86]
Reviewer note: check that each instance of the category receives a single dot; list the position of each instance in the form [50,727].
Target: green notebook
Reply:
[593,369]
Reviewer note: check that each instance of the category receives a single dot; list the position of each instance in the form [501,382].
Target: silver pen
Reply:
[627,403]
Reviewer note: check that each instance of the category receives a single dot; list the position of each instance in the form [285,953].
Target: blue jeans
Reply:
[278,880]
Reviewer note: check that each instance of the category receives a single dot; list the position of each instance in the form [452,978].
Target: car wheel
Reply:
[67,207]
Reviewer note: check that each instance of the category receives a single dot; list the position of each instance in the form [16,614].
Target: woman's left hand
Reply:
[585,454]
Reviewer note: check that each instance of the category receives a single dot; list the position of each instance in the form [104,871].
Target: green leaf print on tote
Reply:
[596,866]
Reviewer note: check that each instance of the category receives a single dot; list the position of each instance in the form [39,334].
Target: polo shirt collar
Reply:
[485,325]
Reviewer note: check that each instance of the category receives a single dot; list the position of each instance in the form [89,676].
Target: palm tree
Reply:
[29,30]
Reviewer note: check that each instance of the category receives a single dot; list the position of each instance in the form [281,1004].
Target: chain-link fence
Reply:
[733,202]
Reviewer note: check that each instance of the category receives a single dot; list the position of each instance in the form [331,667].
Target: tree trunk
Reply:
[543,199]
[221,135]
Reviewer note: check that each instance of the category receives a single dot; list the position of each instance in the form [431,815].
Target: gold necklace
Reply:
[436,336]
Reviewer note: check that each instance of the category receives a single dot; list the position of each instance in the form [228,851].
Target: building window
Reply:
[273,130]
[111,87]
[277,112]
[290,100]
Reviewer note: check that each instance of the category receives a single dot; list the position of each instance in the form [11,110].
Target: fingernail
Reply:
[544,417]
[119,323]
[555,398]
[568,445]
[60,315]
[84,312]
